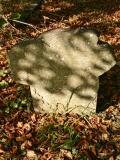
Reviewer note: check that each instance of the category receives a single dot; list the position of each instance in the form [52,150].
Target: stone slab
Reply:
[62,67]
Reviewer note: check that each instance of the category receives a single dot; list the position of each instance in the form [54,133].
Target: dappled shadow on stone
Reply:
[62,68]
[109,90]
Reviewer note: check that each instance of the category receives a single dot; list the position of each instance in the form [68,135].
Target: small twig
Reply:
[72,109]
[25,23]
[87,121]
[17,21]
[67,105]
[89,103]
[15,115]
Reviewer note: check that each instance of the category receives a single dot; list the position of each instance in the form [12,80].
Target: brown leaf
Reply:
[94,120]
[117,138]
[14,149]
[27,144]
[93,149]
[1,151]
[20,139]
[111,158]
[106,122]
[20,124]
[84,144]
[66,153]
[29,135]
[26,127]
[105,136]
[31,154]
[33,117]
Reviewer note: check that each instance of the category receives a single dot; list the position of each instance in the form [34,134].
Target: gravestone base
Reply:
[41,103]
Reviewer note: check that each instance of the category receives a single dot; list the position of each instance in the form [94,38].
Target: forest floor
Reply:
[28,135]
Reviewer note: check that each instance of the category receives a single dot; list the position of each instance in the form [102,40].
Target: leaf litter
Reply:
[28,135]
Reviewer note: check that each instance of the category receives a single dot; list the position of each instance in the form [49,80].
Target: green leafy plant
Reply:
[3,23]
[71,141]
[3,84]
[3,73]
[15,16]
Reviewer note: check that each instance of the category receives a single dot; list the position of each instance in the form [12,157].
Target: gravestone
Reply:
[62,67]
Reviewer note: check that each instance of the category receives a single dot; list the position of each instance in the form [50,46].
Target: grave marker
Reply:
[62,67]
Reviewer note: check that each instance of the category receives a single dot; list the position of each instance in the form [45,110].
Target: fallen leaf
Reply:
[26,127]
[20,139]
[20,124]
[66,153]
[31,154]
[105,136]
[1,151]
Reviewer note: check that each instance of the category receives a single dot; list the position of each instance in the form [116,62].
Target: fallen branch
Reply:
[17,21]
[27,24]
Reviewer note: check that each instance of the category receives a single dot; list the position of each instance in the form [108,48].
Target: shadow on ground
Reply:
[109,90]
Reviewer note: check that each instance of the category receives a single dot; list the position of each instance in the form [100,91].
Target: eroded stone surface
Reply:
[62,68]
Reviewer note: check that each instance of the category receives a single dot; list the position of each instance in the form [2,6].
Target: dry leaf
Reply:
[105,136]
[31,154]
[1,151]
[94,149]
[20,124]
[27,144]
[66,153]
[20,139]
[33,118]
[14,149]
[94,120]
[26,127]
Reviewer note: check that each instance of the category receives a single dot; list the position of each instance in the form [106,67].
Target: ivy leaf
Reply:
[2,74]
[14,105]
[67,144]
[16,16]
[3,84]
[3,23]
[7,110]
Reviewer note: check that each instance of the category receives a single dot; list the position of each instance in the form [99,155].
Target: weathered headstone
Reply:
[62,67]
